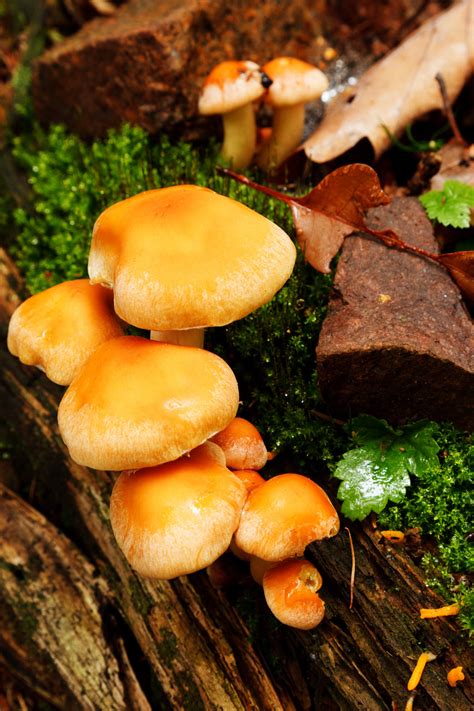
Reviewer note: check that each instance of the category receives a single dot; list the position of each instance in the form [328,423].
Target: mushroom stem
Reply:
[185,337]
[287,133]
[240,136]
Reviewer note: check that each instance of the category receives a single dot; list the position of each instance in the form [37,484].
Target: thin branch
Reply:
[449,111]
[353,569]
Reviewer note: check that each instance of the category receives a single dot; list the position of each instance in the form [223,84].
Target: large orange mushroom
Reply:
[138,403]
[178,517]
[59,329]
[183,258]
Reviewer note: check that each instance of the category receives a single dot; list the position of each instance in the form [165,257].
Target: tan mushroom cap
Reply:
[294,81]
[138,403]
[178,517]
[283,516]
[242,444]
[59,329]
[186,257]
[230,84]
[290,590]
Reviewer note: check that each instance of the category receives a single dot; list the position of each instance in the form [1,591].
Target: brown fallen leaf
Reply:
[461,267]
[332,210]
[401,87]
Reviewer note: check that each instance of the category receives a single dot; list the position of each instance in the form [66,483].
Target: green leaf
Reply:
[378,469]
[450,206]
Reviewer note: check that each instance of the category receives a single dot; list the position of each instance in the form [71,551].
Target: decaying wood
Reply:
[184,634]
[50,613]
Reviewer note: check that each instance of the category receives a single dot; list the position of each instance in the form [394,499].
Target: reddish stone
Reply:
[398,341]
[147,62]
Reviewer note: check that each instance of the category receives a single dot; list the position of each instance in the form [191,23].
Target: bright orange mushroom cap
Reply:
[58,329]
[230,85]
[293,81]
[178,517]
[138,403]
[242,445]
[284,515]
[185,257]
[290,590]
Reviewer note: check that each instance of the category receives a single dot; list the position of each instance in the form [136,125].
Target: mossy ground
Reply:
[271,351]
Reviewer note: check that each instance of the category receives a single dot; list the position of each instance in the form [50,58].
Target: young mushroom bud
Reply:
[178,517]
[294,83]
[60,328]
[230,90]
[290,590]
[283,515]
[242,445]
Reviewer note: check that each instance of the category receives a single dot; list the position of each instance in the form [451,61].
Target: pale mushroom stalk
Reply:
[240,136]
[286,136]
[185,337]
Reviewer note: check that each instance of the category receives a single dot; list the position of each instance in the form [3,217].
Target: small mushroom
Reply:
[283,515]
[230,89]
[183,258]
[59,329]
[242,445]
[290,590]
[179,517]
[137,403]
[294,83]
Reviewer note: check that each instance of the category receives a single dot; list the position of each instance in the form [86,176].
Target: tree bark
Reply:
[71,606]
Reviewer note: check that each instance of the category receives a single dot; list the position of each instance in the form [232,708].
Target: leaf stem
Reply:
[449,111]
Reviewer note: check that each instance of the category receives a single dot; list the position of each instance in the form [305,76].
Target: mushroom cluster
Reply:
[280,518]
[163,411]
[234,89]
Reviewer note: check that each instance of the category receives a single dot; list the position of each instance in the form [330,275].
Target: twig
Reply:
[448,110]
[353,569]
[327,418]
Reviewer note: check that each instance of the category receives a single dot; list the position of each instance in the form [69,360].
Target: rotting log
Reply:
[186,637]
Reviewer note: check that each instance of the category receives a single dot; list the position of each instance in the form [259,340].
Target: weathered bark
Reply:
[189,638]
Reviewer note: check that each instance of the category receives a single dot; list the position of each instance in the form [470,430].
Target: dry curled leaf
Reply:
[401,87]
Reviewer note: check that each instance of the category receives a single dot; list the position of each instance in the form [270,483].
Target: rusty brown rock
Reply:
[147,62]
[397,342]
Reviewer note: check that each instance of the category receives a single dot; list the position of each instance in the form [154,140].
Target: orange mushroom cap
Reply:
[138,403]
[58,329]
[178,517]
[230,85]
[284,515]
[290,590]
[293,81]
[242,445]
[185,257]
